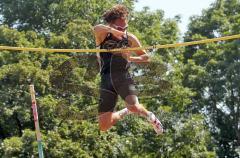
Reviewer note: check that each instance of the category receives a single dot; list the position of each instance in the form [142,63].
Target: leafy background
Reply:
[193,90]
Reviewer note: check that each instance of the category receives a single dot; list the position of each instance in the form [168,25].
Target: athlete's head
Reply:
[117,17]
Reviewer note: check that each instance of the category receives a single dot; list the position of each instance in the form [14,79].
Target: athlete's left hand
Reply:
[139,59]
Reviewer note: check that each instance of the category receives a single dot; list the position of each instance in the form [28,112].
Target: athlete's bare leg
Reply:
[108,119]
[134,106]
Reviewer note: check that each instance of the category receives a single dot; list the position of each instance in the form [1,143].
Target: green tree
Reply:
[212,71]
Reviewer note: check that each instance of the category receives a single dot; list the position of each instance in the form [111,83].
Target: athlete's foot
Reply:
[158,127]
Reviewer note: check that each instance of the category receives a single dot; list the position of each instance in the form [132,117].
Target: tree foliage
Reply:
[212,71]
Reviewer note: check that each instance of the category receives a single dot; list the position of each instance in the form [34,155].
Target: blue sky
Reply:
[185,8]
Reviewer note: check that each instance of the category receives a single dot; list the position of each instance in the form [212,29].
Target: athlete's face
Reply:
[120,24]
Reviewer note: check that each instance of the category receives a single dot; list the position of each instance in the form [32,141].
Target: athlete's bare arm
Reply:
[101,31]
[142,56]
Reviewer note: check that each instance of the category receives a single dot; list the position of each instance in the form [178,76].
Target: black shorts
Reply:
[112,85]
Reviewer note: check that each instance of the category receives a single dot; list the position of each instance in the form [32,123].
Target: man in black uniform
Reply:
[115,78]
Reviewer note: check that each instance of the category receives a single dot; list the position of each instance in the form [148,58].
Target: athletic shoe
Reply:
[157,126]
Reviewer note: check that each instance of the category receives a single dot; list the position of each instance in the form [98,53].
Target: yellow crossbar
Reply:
[125,49]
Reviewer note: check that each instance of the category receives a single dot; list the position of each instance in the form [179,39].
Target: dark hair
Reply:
[117,11]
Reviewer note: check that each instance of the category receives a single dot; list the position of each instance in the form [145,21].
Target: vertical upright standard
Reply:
[35,115]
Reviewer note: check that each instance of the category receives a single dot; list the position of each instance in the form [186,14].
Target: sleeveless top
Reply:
[113,62]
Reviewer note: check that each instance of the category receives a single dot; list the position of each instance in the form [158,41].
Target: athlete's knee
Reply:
[132,103]
[134,108]
[131,100]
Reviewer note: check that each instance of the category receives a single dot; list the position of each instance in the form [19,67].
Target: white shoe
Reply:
[157,125]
